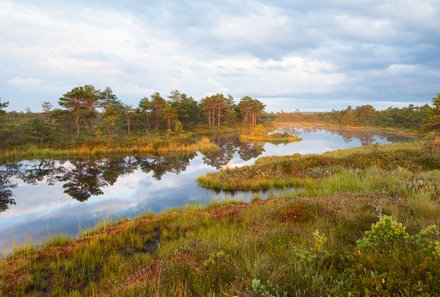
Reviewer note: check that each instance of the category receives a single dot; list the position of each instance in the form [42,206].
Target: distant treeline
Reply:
[411,117]
[89,114]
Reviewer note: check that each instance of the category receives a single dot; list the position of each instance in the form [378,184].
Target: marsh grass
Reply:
[271,138]
[307,241]
[424,206]
[57,240]
[101,225]
[153,145]
[300,246]
[261,133]
[374,169]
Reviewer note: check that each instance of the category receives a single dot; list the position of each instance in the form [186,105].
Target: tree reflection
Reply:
[395,138]
[34,172]
[83,180]
[221,157]
[5,190]
[366,138]
[160,165]
[113,168]
[248,151]
[347,135]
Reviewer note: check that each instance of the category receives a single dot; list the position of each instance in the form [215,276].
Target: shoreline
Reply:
[397,131]
[162,145]
[204,144]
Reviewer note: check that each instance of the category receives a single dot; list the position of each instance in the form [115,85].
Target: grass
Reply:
[365,167]
[260,133]
[272,138]
[364,223]
[299,246]
[154,145]
[331,126]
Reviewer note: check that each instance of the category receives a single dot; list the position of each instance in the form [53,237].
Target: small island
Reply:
[259,134]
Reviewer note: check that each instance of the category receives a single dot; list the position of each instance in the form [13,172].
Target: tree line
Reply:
[90,113]
[410,117]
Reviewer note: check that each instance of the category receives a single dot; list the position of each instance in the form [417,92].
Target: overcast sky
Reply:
[310,55]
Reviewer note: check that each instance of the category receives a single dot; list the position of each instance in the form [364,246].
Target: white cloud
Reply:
[291,74]
[24,82]
[261,26]
[257,47]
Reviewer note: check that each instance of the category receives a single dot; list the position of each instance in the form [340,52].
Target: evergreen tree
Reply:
[82,102]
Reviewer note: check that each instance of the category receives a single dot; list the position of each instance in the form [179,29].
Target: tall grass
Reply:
[424,206]
[154,146]
[301,247]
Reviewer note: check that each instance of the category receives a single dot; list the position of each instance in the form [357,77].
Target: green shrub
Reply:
[386,231]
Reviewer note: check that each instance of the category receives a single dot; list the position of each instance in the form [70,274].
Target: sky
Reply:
[306,55]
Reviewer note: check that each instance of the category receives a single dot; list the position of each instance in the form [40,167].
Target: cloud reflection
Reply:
[63,196]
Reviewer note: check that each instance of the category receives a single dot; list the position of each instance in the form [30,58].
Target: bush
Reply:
[386,231]
[391,262]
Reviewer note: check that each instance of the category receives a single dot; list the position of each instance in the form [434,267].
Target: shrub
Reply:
[391,262]
[386,231]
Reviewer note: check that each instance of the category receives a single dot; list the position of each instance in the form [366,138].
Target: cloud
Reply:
[24,82]
[368,51]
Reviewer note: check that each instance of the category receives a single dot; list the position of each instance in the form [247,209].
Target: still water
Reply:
[42,197]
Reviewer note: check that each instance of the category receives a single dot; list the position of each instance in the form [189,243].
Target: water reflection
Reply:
[5,190]
[35,194]
[348,135]
[159,165]
[84,178]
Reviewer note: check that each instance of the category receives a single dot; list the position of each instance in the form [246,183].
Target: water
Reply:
[42,197]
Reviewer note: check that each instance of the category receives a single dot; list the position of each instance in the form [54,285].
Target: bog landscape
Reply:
[212,194]
[354,209]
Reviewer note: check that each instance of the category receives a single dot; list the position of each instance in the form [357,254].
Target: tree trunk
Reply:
[213,114]
[218,116]
[77,125]
[129,126]
[147,124]
[157,119]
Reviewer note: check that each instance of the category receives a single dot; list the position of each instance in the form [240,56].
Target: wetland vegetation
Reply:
[359,221]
